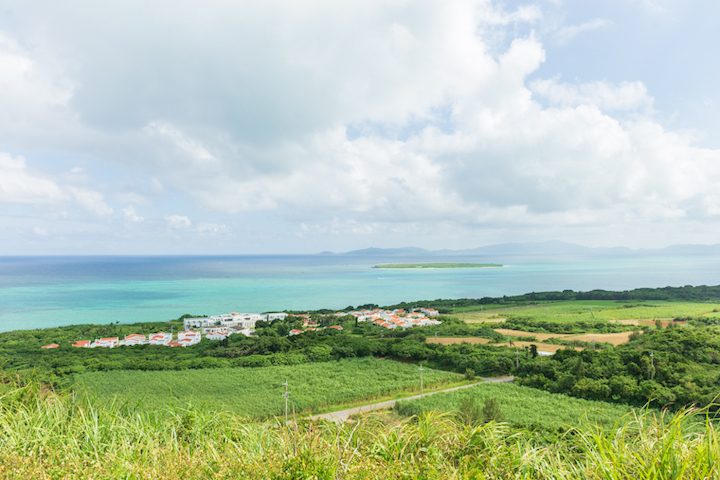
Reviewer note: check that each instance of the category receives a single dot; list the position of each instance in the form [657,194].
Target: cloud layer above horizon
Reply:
[274,126]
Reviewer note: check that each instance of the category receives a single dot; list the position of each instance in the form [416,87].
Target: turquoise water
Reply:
[38,292]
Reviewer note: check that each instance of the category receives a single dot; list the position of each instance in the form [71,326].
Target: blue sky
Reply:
[183,127]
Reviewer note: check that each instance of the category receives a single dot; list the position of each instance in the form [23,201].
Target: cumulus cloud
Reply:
[131,215]
[626,96]
[568,32]
[20,185]
[177,221]
[348,117]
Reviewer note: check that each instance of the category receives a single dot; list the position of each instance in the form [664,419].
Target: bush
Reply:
[491,411]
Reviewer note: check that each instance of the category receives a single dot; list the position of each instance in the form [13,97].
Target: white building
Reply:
[220,323]
[133,339]
[189,337]
[160,338]
[109,342]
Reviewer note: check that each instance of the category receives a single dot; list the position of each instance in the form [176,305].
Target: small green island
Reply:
[438,265]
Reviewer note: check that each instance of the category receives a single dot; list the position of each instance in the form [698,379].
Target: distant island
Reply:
[438,265]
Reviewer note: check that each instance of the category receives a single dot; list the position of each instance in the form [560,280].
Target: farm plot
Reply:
[457,340]
[523,406]
[542,347]
[521,333]
[257,392]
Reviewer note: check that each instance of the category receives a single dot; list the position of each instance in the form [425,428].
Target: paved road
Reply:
[342,415]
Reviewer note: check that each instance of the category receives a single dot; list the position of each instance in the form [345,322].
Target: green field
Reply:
[523,406]
[594,311]
[438,265]
[258,391]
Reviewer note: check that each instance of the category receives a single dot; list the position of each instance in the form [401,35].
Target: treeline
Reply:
[687,293]
[550,326]
[673,367]
[20,352]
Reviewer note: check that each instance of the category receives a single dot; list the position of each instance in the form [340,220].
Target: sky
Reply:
[266,127]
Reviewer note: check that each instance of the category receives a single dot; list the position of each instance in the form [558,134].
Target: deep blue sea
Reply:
[38,292]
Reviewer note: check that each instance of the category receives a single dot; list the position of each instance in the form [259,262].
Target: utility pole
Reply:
[517,358]
[421,380]
[286,395]
[652,365]
[593,342]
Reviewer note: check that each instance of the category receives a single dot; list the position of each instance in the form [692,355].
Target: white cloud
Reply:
[40,231]
[131,215]
[568,32]
[177,221]
[627,96]
[349,118]
[211,228]
[91,201]
[20,185]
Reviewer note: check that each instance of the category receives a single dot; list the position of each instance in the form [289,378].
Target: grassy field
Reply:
[523,406]
[437,265]
[257,392]
[589,310]
[49,435]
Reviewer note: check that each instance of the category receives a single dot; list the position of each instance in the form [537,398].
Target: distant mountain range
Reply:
[551,247]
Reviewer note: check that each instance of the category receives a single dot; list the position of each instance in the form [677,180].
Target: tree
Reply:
[491,411]
[469,411]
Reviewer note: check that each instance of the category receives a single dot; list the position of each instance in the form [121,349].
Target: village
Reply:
[219,327]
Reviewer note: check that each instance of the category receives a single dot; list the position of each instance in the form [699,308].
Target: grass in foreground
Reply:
[257,392]
[53,436]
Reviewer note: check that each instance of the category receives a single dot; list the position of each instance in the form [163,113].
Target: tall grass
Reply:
[44,434]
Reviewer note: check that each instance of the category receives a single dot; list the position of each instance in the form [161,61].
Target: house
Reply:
[160,338]
[225,322]
[336,327]
[108,342]
[52,345]
[82,343]
[275,316]
[217,336]
[189,337]
[294,332]
[133,339]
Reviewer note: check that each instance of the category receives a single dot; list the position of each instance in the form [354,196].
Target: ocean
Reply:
[41,292]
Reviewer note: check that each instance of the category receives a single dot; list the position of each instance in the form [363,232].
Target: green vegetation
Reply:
[258,392]
[53,435]
[667,294]
[437,265]
[521,407]
[669,367]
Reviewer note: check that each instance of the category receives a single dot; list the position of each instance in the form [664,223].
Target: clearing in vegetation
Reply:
[257,392]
